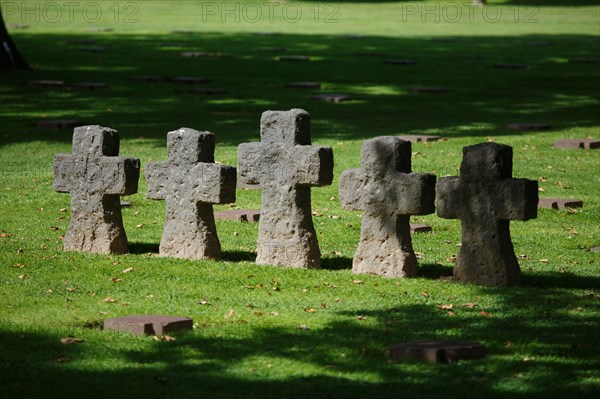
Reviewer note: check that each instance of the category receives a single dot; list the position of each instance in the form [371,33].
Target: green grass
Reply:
[255,337]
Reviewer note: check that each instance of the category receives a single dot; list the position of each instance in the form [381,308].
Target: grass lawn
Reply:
[263,332]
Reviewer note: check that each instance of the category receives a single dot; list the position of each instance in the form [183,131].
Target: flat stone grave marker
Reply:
[387,193]
[182,32]
[427,90]
[82,41]
[303,85]
[420,138]
[583,60]
[89,85]
[192,54]
[437,351]
[559,203]
[18,26]
[333,97]
[584,143]
[272,49]
[595,249]
[190,182]
[286,166]
[148,324]
[266,33]
[400,62]
[486,198]
[150,78]
[125,204]
[96,176]
[58,124]
[529,126]
[420,228]
[189,79]
[239,215]
[209,91]
[46,83]
[370,53]
[294,58]
[92,49]
[100,29]
[503,65]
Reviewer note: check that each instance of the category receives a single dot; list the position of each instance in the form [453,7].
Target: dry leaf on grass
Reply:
[71,340]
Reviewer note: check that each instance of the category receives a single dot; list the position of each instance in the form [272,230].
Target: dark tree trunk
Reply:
[10,58]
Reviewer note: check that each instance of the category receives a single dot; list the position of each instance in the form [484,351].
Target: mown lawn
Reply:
[264,332]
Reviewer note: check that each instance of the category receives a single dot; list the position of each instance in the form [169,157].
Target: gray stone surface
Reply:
[46,83]
[529,126]
[333,97]
[149,324]
[286,166]
[420,138]
[437,351]
[239,215]
[388,193]
[96,176]
[584,143]
[559,203]
[420,228]
[486,198]
[191,183]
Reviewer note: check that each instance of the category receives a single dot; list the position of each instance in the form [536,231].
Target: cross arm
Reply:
[120,174]
[352,185]
[63,170]
[449,197]
[313,165]
[157,175]
[519,199]
[415,193]
[213,183]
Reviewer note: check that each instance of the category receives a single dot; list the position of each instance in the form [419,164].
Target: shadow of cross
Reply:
[388,193]
[96,177]
[191,183]
[286,166]
[486,198]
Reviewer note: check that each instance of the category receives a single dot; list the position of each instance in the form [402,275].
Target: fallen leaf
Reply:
[274,314]
[23,277]
[485,314]
[54,228]
[324,306]
[4,235]
[470,305]
[230,313]
[62,210]
[116,280]
[425,294]
[303,327]
[139,225]
[109,300]
[544,260]
[304,289]
[128,270]
[451,314]
[20,251]
[523,256]
[451,259]
[310,310]
[257,313]
[358,282]
[62,359]
[361,317]
[71,340]
[562,185]
[446,307]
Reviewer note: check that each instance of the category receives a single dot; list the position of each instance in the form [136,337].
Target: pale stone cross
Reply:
[387,193]
[286,166]
[191,183]
[95,176]
[486,198]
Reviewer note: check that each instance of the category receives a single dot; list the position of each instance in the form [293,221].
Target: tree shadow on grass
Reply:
[336,263]
[345,357]
[141,248]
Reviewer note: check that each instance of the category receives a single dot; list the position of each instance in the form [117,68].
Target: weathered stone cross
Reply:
[191,183]
[387,193]
[286,166]
[96,177]
[485,198]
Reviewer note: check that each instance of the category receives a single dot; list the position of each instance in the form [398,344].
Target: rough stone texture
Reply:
[595,249]
[585,143]
[437,351]
[294,58]
[400,62]
[303,85]
[58,124]
[485,198]
[388,193]
[427,90]
[420,228]
[420,138]
[529,126]
[239,215]
[46,83]
[191,183]
[125,204]
[149,324]
[286,166]
[333,97]
[559,203]
[96,176]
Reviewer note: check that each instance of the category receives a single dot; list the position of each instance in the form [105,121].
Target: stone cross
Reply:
[96,176]
[387,193]
[486,198]
[191,183]
[286,166]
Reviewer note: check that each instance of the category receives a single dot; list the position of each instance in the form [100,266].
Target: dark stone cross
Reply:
[191,183]
[286,166]
[486,198]
[387,193]
[96,176]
